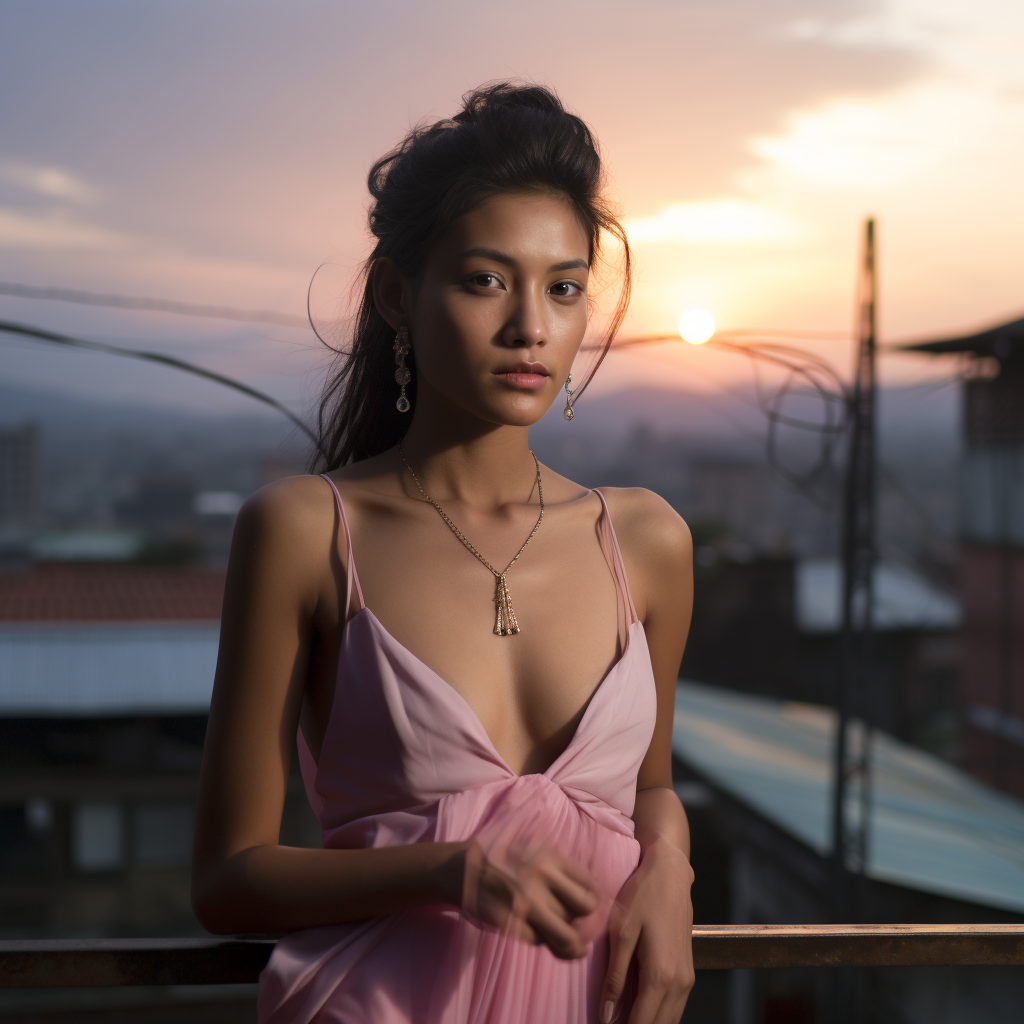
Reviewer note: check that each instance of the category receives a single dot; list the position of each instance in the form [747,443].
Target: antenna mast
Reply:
[852,767]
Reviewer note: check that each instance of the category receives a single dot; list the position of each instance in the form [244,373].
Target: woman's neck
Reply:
[458,456]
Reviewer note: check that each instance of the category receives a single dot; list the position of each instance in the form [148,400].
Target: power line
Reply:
[801,367]
[151,305]
[50,337]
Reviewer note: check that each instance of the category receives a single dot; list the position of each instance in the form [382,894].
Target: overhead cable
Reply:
[151,305]
[803,370]
[51,337]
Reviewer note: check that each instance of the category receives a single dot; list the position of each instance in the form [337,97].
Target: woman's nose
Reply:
[526,327]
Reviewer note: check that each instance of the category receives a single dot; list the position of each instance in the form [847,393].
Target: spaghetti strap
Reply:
[405,759]
[610,546]
[352,578]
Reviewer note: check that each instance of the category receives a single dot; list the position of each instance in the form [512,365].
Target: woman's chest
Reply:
[437,601]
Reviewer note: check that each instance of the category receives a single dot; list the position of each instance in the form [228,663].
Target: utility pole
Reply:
[852,764]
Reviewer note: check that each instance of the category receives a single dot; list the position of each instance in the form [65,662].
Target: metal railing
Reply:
[56,963]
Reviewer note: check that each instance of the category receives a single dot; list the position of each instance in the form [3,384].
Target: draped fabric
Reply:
[406,760]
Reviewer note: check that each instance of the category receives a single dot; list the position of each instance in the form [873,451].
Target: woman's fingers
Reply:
[571,883]
[545,913]
[578,873]
[622,942]
[517,928]
[535,899]
[662,992]
[671,1009]
[578,898]
[540,924]
[645,1006]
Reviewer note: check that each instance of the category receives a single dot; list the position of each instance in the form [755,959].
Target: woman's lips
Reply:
[523,379]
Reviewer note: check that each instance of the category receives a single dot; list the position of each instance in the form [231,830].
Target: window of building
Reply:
[97,836]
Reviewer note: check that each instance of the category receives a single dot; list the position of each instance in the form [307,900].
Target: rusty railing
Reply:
[55,963]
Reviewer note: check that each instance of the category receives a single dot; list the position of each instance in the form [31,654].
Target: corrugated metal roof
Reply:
[107,670]
[933,827]
[64,593]
[903,598]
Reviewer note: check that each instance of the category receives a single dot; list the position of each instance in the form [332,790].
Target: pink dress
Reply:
[406,760]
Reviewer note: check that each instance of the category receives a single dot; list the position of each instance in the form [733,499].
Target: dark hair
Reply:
[506,139]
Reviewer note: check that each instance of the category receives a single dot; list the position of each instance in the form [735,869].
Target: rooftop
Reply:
[66,593]
[107,669]
[1003,341]
[903,599]
[933,828]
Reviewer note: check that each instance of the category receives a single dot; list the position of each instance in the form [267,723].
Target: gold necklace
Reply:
[505,623]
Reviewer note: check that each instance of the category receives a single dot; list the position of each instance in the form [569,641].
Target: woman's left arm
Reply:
[653,916]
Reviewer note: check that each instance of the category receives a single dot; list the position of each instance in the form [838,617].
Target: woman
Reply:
[476,656]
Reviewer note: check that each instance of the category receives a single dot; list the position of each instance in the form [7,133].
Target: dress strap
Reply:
[612,552]
[352,580]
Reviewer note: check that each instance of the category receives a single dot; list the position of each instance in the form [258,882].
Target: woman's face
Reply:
[501,308]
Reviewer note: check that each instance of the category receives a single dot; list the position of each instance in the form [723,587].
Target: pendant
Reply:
[504,618]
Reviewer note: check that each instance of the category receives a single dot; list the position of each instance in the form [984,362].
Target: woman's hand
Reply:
[535,897]
[652,917]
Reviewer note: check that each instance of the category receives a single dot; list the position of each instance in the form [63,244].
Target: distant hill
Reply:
[97,454]
[905,414]
[65,416]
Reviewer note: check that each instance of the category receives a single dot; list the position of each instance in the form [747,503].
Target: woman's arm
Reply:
[281,588]
[653,916]
[282,553]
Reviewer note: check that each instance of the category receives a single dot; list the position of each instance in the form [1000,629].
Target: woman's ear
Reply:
[390,293]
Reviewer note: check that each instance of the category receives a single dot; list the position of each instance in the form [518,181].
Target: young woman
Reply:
[476,656]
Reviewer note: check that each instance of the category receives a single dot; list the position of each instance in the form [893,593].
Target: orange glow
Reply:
[696,326]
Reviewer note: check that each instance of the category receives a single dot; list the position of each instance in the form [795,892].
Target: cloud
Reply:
[47,180]
[20,230]
[860,144]
[982,39]
[967,97]
[726,221]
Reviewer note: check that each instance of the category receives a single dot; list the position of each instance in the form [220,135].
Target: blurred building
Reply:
[179,523]
[20,475]
[734,490]
[755,776]
[105,676]
[105,681]
[770,625]
[915,649]
[992,553]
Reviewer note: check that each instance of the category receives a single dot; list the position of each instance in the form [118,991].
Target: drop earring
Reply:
[402,372]
[567,411]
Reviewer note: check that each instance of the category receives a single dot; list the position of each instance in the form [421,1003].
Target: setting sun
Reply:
[696,326]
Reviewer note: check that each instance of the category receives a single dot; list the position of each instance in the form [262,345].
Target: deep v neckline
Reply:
[613,555]
[404,762]
[468,708]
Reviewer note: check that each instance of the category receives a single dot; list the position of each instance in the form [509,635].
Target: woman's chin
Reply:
[522,410]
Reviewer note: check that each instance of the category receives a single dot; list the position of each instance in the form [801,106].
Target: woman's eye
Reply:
[485,280]
[566,289]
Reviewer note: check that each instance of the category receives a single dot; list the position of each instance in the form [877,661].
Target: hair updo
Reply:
[507,139]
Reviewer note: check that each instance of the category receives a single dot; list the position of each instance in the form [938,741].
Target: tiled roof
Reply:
[65,593]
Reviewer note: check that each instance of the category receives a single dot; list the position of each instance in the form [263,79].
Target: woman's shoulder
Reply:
[286,519]
[647,526]
[287,501]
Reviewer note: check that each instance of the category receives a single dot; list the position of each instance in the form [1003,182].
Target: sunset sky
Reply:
[216,152]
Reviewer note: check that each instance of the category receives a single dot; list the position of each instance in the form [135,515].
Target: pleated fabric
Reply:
[406,760]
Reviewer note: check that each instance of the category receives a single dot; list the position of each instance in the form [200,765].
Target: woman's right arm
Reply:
[243,880]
